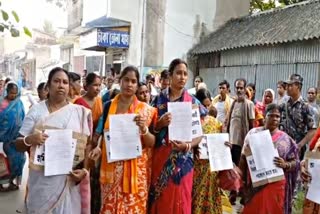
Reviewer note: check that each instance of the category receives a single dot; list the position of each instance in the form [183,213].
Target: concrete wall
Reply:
[131,11]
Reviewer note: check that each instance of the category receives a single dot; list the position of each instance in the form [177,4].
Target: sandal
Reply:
[2,189]
[12,187]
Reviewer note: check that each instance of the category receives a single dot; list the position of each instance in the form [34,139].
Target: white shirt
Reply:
[221,114]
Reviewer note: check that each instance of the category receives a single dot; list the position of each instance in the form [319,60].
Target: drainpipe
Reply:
[143,37]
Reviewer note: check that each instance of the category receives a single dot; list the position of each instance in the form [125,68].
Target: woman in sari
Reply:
[272,197]
[172,167]
[59,193]
[206,194]
[92,101]
[124,184]
[258,120]
[268,97]
[11,117]
[75,86]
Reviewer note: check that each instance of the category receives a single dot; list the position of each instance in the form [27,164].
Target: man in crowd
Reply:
[222,102]
[240,120]
[150,81]
[282,93]
[296,117]
[312,96]
[164,79]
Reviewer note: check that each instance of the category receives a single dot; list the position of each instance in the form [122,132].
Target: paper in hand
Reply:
[314,187]
[219,154]
[180,128]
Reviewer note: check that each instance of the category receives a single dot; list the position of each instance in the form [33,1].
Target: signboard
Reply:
[113,39]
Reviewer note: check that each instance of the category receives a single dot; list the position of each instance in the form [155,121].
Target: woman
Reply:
[75,86]
[310,207]
[172,168]
[258,120]
[42,91]
[11,117]
[59,193]
[92,101]
[268,97]
[252,88]
[206,194]
[273,197]
[124,184]
[143,93]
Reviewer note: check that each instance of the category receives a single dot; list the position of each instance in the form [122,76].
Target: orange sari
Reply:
[125,184]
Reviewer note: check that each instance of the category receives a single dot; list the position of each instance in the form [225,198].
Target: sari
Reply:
[95,170]
[172,171]
[261,106]
[125,184]
[206,194]
[56,194]
[11,117]
[274,197]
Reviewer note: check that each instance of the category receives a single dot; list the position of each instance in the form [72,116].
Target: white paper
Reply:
[203,146]
[314,187]
[1,150]
[39,155]
[180,128]
[108,149]
[219,153]
[196,124]
[262,174]
[263,150]
[59,152]
[125,142]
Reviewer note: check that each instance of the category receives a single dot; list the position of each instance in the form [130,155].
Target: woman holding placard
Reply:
[206,194]
[172,169]
[273,197]
[124,184]
[60,193]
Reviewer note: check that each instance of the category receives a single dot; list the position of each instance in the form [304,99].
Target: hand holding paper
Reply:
[180,127]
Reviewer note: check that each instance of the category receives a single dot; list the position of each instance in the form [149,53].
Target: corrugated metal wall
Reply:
[265,76]
[297,52]
[267,65]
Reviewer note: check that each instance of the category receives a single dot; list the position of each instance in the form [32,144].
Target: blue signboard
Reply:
[112,39]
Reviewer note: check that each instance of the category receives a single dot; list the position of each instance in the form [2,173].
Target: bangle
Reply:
[86,171]
[25,142]
[146,132]
[190,147]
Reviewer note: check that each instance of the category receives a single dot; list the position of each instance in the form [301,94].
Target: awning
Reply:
[107,22]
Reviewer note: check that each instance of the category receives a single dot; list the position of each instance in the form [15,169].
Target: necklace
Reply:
[49,106]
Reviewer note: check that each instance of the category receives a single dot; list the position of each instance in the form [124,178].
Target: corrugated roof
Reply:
[293,23]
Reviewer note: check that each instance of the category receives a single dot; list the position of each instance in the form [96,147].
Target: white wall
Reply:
[131,11]
[181,16]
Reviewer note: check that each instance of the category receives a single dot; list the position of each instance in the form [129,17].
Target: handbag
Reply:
[230,179]
[4,166]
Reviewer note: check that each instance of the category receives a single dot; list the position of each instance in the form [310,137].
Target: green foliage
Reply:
[262,5]
[7,24]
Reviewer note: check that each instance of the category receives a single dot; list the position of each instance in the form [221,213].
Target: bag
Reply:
[230,179]
[4,166]
[310,207]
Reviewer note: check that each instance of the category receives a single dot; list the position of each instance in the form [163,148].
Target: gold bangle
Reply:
[25,142]
[86,171]
[146,132]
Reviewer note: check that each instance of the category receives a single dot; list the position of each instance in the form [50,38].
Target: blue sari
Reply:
[10,122]
[172,171]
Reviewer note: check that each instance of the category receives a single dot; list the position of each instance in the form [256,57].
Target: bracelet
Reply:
[190,147]
[86,171]
[146,132]
[25,142]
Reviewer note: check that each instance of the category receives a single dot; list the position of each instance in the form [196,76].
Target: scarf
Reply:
[130,167]
[227,102]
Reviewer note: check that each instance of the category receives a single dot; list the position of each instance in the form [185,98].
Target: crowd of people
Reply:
[169,177]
